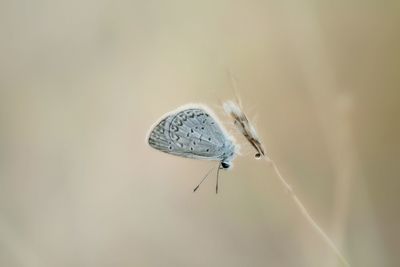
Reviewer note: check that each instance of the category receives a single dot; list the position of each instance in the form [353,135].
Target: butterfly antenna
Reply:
[197,187]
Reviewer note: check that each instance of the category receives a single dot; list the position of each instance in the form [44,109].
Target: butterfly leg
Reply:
[216,186]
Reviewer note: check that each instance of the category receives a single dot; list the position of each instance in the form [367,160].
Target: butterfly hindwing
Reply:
[157,138]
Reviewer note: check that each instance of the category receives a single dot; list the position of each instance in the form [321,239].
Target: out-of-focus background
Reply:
[81,82]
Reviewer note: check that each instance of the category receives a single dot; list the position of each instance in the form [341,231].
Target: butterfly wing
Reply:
[191,133]
[158,139]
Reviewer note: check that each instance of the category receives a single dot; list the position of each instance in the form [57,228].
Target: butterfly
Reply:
[193,131]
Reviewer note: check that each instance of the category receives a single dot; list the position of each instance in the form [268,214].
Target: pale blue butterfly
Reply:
[193,131]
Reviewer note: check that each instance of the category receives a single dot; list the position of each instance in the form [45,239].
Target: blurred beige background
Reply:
[81,82]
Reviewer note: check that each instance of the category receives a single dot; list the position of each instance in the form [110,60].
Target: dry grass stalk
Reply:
[245,127]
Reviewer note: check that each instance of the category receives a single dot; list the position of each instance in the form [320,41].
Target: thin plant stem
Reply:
[306,214]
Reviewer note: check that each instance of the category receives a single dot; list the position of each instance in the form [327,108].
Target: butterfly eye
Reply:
[225,165]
